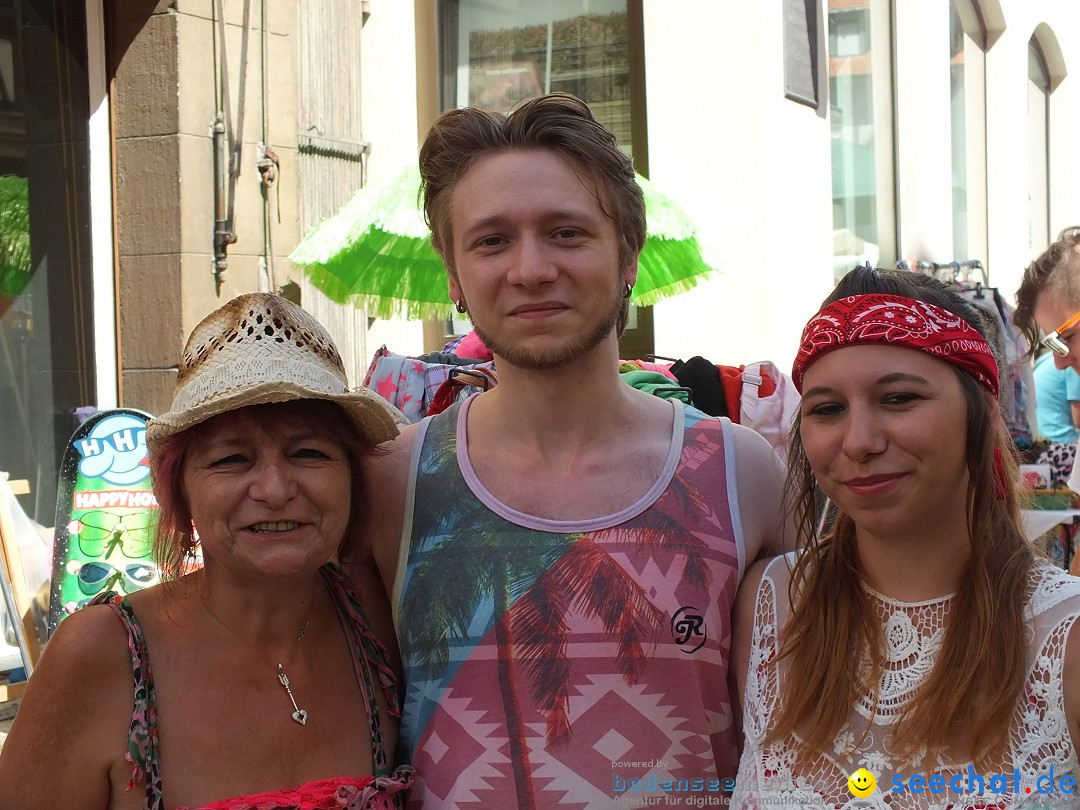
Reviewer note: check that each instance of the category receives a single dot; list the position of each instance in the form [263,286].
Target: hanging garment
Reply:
[645,365]
[469,346]
[1018,384]
[461,383]
[1060,456]
[768,403]
[410,384]
[703,380]
[656,384]
[758,395]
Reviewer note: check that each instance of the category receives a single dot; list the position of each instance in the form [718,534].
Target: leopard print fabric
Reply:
[1060,457]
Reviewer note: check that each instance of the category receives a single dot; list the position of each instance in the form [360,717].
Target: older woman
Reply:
[918,655]
[255,681]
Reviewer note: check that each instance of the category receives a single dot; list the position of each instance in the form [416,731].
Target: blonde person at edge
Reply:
[920,639]
[1048,310]
[565,549]
[257,677]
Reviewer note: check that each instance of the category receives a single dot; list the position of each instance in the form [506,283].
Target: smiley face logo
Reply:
[862,783]
[115,450]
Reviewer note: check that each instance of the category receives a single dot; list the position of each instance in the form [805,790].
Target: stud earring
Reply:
[629,290]
[460,306]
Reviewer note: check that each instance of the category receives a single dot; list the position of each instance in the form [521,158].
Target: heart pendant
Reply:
[300,716]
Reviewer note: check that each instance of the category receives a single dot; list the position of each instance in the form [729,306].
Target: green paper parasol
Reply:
[376,253]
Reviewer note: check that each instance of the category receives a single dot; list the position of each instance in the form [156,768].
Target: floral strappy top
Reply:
[381,791]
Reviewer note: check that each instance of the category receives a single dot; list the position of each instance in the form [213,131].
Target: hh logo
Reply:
[115,450]
[688,629]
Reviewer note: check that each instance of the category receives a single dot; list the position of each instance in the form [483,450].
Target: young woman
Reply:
[920,639]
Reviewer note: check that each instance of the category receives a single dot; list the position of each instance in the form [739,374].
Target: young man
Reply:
[570,549]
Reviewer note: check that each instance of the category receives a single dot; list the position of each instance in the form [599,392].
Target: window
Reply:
[967,81]
[46,337]
[493,55]
[1038,111]
[849,31]
[860,97]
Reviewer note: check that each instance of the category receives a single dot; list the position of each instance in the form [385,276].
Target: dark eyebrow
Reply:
[497,220]
[895,377]
[902,377]
[569,213]
[483,222]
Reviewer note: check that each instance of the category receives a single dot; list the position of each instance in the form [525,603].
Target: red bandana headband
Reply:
[894,320]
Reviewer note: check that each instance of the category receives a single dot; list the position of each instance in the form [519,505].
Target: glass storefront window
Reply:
[494,55]
[46,339]
[959,153]
[860,96]
[967,78]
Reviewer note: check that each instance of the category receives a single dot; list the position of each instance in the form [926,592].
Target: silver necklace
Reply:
[299,715]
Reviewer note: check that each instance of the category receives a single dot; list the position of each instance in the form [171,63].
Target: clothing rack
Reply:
[949,272]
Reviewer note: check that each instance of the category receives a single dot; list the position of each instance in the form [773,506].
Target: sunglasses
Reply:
[95,577]
[1054,342]
[99,534]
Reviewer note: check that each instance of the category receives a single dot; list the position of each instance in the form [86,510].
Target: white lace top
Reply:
[1039,736]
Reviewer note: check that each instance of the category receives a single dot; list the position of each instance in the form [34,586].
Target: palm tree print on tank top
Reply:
[476,579]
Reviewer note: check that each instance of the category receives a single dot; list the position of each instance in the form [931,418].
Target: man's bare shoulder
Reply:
[391,459]
[753,449]
[387,482]
[761,474]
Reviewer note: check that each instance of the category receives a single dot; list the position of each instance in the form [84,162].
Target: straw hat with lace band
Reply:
[260,348]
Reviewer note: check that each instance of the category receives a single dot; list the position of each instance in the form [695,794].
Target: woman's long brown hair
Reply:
[965,706]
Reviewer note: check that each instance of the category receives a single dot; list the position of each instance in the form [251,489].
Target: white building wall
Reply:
[750,166]
[1065,122]
[1007,135]
[388,105]
[753,168]
[922,131]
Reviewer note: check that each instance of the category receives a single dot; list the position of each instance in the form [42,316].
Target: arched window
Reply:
[967,81]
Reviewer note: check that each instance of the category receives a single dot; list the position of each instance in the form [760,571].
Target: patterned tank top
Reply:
[383,790]
[551,662]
